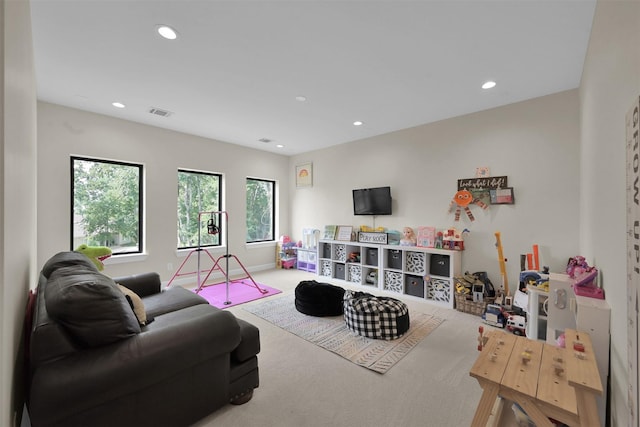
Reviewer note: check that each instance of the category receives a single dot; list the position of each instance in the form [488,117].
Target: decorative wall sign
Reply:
[370,237]
[484,183]
[633,257]
[344,232]
[304,175]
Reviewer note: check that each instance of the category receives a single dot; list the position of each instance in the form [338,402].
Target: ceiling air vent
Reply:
[159,112]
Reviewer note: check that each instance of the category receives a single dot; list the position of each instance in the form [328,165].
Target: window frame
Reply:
[221,221]
[141,224]
[274,199]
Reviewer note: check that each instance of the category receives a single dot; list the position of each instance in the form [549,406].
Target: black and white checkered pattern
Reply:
[375,317]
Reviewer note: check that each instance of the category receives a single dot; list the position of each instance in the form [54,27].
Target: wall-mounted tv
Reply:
[372,201]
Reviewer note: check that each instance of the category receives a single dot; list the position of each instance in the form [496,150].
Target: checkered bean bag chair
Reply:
[318,299]
[375,317]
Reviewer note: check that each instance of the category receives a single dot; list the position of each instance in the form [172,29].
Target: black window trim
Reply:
[140,199]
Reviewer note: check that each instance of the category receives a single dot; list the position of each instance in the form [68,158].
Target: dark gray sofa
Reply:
[93,364]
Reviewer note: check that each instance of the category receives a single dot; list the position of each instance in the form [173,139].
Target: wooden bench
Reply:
[546,381]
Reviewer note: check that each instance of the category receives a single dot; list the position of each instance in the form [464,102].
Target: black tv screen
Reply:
[372,201]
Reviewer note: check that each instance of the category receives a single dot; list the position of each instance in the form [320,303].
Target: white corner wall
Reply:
[610,83]
[534,143]
[63,132]
[17,198]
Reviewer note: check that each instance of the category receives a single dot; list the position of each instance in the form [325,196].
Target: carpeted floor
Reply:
[331,333]
[302,385]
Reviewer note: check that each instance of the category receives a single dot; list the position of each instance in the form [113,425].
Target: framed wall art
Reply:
[344,232]
[501,196]
[304,175]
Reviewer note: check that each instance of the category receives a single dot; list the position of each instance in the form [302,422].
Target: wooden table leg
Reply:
[487,400]
[587,407]
[536,415]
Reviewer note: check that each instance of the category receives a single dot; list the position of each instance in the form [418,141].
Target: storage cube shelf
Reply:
[392,282]
[422,273]
[307,259]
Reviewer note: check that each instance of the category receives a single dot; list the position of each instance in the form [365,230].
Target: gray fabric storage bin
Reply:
[439,265]
[414,285]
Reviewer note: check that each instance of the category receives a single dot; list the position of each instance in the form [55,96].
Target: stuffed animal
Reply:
[97,254]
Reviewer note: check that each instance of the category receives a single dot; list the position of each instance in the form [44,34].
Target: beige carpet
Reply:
[302,385]
[331,333]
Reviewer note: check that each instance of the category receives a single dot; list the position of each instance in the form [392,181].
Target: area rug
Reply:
[331,333]
[240,292]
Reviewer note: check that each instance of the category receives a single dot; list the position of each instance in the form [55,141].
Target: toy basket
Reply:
[469,306]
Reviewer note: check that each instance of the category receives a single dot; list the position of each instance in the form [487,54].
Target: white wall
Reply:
[610,83]
[63,132]
[17,198]
[534,143]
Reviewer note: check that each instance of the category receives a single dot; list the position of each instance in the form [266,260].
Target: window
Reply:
[261,216]
[198,192]
[106,205]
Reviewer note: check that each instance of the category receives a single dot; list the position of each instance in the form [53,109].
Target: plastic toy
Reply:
[517,325]
[453,239]
[533,278]
[354,257]
[372,277]
[408,237]
[495,315]
[578,269]
[503,264]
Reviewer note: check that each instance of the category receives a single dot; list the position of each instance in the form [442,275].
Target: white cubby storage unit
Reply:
[424,273]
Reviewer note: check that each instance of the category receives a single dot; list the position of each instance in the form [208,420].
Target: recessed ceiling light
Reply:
[280,146]
[118,104]
[301,98]
[488,85]
[358,123]
[167,32]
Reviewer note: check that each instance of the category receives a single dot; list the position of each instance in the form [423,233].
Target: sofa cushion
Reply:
[66,259]
[171,299]
[89,305]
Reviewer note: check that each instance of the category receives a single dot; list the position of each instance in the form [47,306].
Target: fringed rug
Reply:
[331,333]
[240,291]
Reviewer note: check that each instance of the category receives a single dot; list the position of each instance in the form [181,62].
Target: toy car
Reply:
[517,325]
[495,315]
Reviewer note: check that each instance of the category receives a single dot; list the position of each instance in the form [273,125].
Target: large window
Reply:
[106,205]
[261,204]
[199,192]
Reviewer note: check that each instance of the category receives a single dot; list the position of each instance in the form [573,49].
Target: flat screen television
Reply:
[372,201]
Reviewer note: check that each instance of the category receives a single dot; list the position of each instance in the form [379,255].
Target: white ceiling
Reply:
[236,68]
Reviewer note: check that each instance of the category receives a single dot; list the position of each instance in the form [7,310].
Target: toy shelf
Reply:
[423,273]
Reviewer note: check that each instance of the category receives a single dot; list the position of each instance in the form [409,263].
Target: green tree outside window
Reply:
[260,210]
[198,192]
[107,205]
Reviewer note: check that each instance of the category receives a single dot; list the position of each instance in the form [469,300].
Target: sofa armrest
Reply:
[249,342]
[144,284]
[175,342]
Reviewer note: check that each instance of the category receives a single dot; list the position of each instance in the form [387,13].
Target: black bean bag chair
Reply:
[319,299]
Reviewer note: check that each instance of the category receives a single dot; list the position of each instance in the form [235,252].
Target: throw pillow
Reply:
[89,306]
[136,304]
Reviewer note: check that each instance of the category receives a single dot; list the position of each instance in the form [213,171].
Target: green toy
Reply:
[96,254]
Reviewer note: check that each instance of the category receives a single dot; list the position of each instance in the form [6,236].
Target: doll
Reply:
[408,237]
